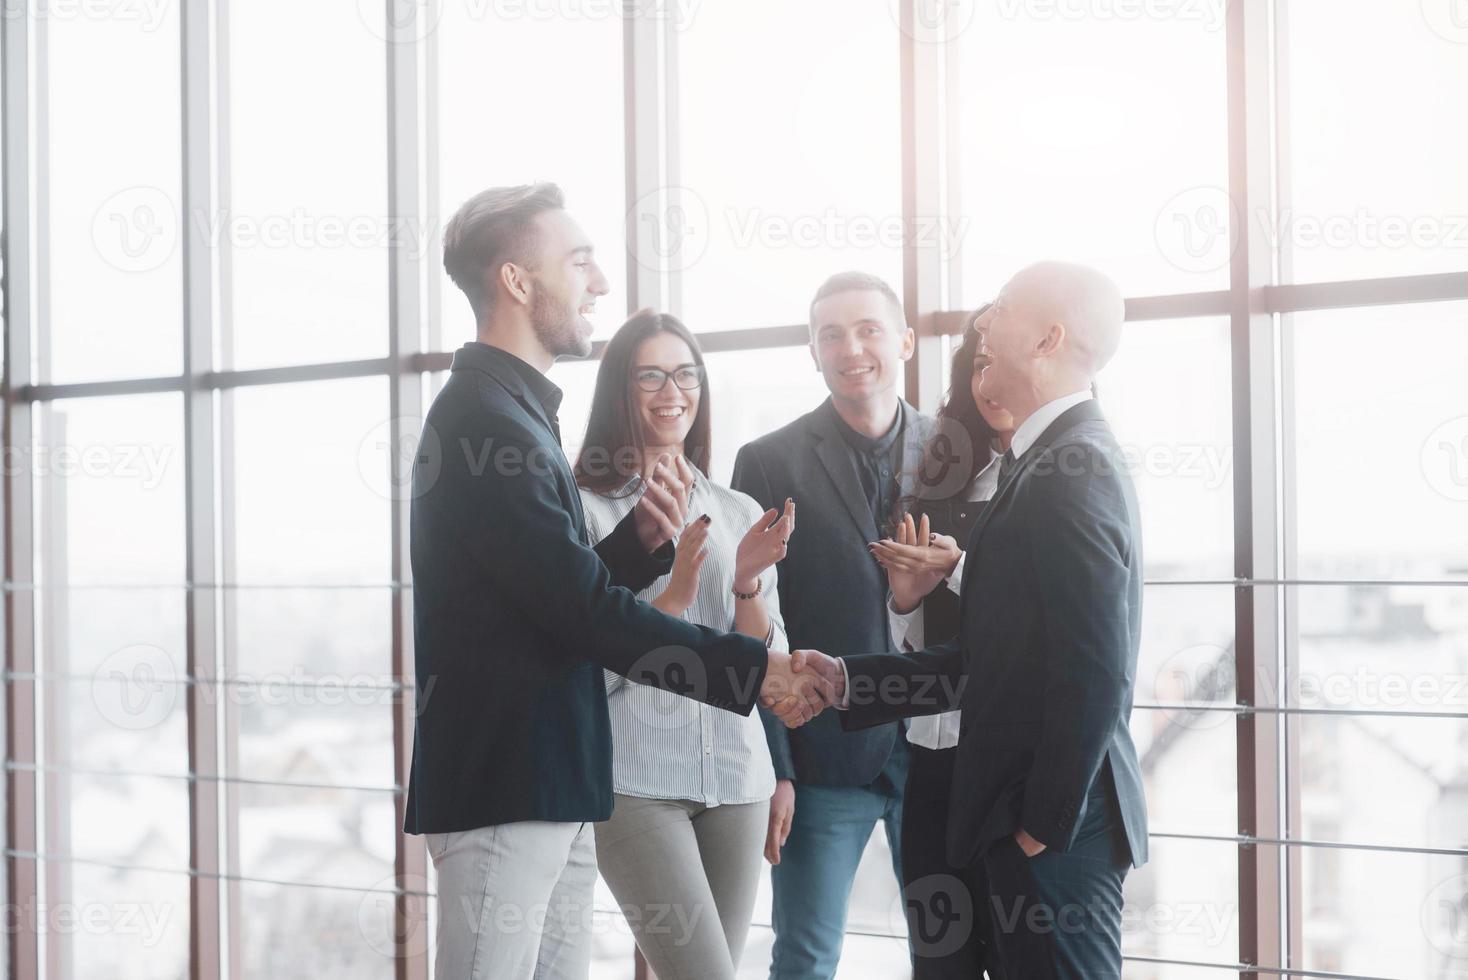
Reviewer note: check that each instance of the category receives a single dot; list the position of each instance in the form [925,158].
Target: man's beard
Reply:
[557,326]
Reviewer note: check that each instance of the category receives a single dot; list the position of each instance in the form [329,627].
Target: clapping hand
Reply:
[763,545]
[687,565]
[801,685]
[916,563]
[662,509]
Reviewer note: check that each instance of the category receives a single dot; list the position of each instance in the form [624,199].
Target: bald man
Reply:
[1047,814]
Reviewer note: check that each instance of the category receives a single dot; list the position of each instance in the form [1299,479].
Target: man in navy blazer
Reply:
[1047,809]
[515,614]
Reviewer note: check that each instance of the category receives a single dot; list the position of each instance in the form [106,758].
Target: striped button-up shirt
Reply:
[668,747]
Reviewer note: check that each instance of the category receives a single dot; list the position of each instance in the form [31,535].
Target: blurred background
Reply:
[225,312]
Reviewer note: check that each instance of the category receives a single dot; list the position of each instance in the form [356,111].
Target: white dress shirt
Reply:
[1034,426]
[667,747]
[938,731]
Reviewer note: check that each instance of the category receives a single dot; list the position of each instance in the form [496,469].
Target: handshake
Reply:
[800,685]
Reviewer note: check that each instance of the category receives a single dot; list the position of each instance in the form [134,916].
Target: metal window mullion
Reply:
[202,651]
[22,882]
[405,407]
[646,120]
[920,63]
[1256,516]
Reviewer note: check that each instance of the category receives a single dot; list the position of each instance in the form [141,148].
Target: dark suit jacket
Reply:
[1046,659]
[833,594]
[515,616]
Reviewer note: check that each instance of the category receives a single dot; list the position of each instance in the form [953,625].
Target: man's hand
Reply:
[916,563]
[1028,844]
[662,510]
[782,814]
[800,686]
[817,683]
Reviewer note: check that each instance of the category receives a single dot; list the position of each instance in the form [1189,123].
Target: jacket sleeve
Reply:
[519,531]
[885,687]
[750,477]
[1080,546]
[629,564]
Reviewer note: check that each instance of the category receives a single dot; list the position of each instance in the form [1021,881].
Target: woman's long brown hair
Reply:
[613,450]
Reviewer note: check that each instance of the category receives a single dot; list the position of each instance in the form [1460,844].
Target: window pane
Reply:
[109,482]
[122,924]
[334,635]
[113,193]
[1183,904]
[293,931]
[1187,666]
[794,172]
[311,488]
[1384,914]
[330,733]
[756,392]
[1361,203]
[305,228]
[1168,396]
[570,55]
[1381,446]
[1095,133]
[1347,762]
[315,836]
[126,820]
[1381,648]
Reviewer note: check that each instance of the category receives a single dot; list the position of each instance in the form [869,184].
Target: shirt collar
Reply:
[542,388]
[866,444]
[1035,426]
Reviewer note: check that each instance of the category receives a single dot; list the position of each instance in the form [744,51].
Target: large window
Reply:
[225,310]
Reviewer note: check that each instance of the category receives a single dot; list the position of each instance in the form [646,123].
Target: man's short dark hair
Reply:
[491,228]
[845,282]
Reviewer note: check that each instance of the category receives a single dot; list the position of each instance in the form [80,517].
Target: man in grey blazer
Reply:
[848,464]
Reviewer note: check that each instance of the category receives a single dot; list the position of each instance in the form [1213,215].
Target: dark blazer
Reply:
[833,594]
[1046,659]
[515,616]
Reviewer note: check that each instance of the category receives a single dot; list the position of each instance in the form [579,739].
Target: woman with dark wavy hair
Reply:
[960,471]
[692,783]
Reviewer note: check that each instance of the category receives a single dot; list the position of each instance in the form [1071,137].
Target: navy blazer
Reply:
[833,594]
[1045,663]
[515,616]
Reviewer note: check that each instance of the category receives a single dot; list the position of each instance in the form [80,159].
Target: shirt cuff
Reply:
[956,578]
[845,687]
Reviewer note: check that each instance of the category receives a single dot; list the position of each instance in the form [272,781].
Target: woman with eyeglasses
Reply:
[682,850]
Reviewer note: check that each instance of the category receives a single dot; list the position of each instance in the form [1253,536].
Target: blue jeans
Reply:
[812,882]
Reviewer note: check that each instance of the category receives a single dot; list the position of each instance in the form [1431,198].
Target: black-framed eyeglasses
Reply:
[651,379]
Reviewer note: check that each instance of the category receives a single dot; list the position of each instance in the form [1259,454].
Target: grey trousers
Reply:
[685,875]
[515,902]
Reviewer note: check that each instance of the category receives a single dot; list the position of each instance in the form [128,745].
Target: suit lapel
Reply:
[917,430]
[835,457]
[1086,411]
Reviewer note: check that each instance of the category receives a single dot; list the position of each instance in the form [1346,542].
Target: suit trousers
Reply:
[515,901]
[1057,916]
[947,908]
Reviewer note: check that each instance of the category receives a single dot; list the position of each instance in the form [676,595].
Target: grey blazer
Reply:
[833,594]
